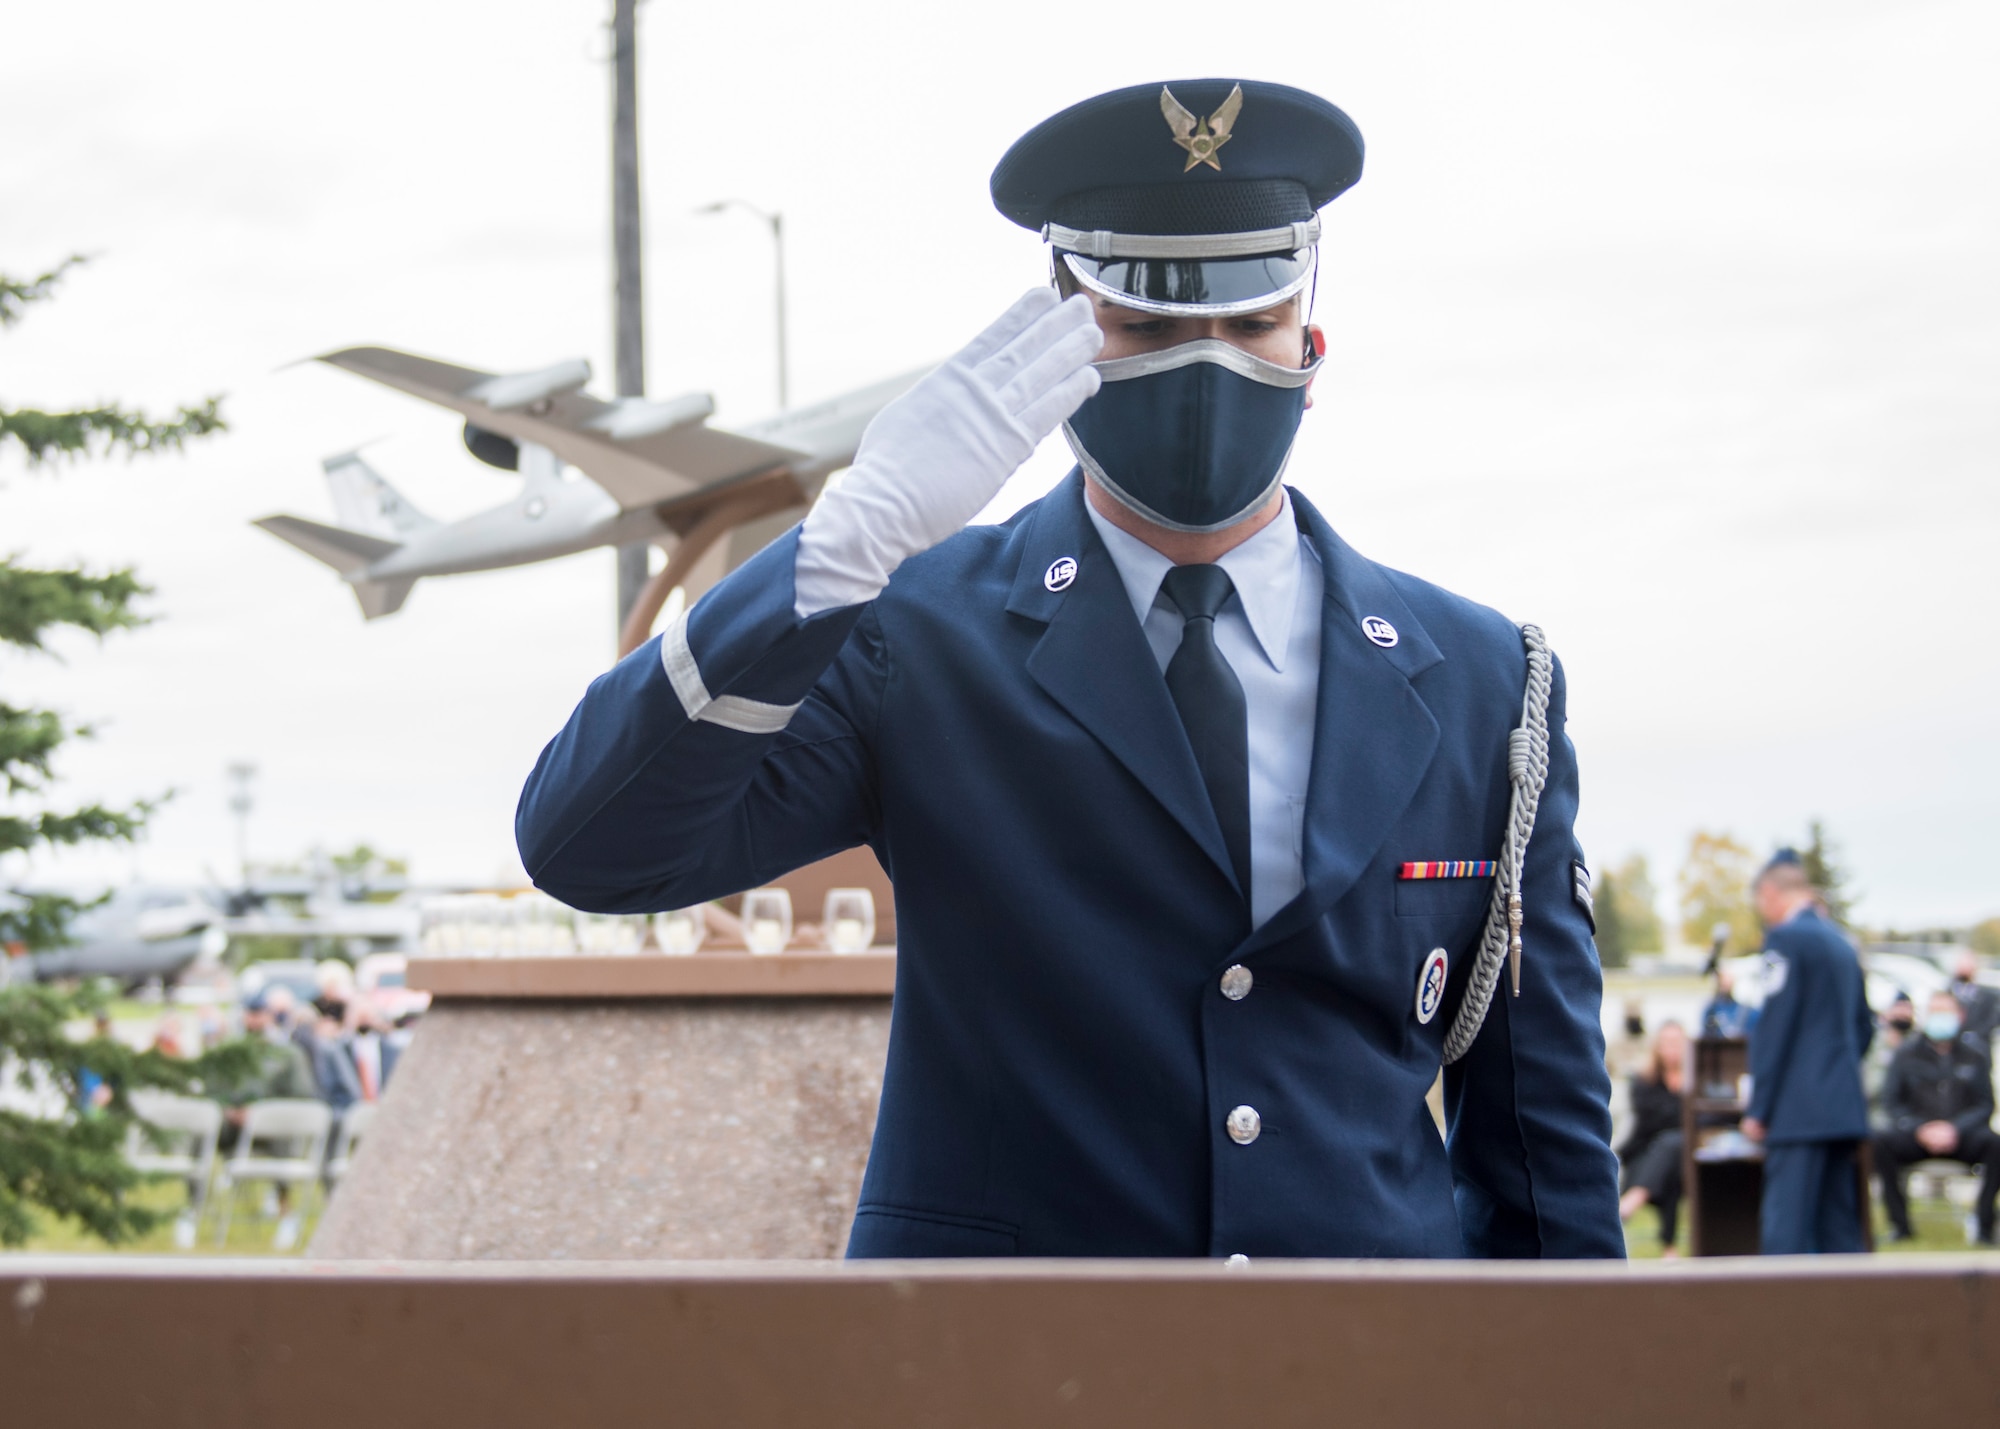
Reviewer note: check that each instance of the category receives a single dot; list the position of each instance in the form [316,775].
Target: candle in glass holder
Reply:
[680,932]
[849,920]
[767,920]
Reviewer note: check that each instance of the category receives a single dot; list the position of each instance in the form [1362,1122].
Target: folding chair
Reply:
[296,1131]
[190,1128]
[353,1127]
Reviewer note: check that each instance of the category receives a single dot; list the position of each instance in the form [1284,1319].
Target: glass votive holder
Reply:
[767,920]
[849,920]
[679,931]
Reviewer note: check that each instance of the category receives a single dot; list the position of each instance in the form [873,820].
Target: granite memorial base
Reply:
[710,1107]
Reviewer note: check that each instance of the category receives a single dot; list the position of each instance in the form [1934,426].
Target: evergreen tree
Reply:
[1627,920]
[1820,857]
[72,1164]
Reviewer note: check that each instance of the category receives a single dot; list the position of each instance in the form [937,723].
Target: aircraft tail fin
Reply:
[380,598]
[364,502]
[346,551]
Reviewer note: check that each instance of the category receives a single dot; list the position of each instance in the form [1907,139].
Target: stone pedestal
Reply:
[649,1108]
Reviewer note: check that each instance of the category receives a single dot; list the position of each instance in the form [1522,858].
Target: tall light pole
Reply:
[776,221]
[241,777]
[630,340]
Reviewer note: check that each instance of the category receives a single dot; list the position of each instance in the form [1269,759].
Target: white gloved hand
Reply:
[936,455]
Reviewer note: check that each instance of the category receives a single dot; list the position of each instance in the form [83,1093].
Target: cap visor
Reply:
[1195,287]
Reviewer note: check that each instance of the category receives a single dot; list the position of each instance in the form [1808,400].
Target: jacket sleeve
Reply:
[1981,1110]
[717,757]
[1771,1040]
[1896,1094]
[1530,1139]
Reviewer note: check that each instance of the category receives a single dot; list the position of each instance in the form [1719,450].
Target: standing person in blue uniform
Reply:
[1207,845]
[1806,1101]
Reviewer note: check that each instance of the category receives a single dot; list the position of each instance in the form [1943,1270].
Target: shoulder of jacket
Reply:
[973,556]
[1448,615]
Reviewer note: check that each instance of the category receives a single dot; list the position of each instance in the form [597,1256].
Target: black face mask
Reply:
[1634,1027]
[1901,1024]
[1194,438]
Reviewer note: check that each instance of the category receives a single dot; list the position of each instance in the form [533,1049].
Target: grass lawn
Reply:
[249,1233]
[1939,1226]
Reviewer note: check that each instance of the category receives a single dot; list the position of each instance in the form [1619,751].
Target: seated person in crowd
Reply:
[282,1069]
[1939,1100]
[1979,1005]
[1651,1154]
[1725,1016]
[1892,1030]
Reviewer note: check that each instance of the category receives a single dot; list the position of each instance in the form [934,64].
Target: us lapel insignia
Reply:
[1380,631]
[1201,137]
[1060,573]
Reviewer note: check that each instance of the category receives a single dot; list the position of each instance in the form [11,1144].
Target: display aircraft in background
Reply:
[649,471]
[147,931]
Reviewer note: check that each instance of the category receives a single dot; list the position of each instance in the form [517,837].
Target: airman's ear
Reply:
[1316,345]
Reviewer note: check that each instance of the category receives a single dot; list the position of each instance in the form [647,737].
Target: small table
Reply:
[1723,1169]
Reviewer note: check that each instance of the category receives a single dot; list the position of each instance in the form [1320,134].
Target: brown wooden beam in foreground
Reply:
[1861,1341]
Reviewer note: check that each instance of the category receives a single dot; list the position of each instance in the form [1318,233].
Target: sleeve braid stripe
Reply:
[730,711]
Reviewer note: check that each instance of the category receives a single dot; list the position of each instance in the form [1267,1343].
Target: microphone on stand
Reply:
[1718,939]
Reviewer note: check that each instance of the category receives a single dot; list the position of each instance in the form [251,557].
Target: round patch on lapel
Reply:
[1380,631]
[1061,572]
[1430,985]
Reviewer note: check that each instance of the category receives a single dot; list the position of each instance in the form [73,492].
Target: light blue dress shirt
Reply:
[1269,633]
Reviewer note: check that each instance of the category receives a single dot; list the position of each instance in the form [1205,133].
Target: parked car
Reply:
[380,980]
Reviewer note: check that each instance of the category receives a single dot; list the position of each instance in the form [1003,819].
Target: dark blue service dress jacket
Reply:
[1062,1060]
[1807,1045]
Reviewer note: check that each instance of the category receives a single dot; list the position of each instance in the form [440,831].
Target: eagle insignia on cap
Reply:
[1201,137]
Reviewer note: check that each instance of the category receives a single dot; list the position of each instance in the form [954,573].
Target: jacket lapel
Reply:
[1094,661]
[1374,736]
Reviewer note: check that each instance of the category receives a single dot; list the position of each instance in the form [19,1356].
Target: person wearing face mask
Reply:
[1978,1005]
[1939,1101]
[1896,1026]
[1212,840]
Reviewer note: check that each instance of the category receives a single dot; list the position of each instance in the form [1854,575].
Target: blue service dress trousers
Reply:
[1812,1199]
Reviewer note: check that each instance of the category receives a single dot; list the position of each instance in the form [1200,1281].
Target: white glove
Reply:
[936,455]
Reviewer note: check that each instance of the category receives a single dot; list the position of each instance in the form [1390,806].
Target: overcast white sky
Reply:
[1675,329]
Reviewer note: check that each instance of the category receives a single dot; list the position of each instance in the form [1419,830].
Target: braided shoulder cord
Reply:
[1527,771]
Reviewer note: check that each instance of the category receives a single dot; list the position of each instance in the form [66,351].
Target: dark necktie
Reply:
[1210,700]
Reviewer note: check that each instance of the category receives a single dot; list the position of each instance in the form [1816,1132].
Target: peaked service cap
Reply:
[1193,196]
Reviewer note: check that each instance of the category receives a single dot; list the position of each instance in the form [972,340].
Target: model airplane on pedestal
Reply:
[649,471]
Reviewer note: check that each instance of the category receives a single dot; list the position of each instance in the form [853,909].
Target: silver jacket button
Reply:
[1238,1261]
[1236,982]
[1245,1125]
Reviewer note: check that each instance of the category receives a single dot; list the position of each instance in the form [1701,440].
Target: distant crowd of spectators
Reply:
[1929,1078]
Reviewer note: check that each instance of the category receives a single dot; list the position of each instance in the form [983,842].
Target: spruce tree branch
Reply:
[16,294]
[27,738]
[32,600]
[19,832]
[74,1164]
[51,436]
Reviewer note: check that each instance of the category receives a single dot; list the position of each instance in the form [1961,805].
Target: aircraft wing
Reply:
[641,452]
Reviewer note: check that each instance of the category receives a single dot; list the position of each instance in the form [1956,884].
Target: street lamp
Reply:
[241,777]
[777,225]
